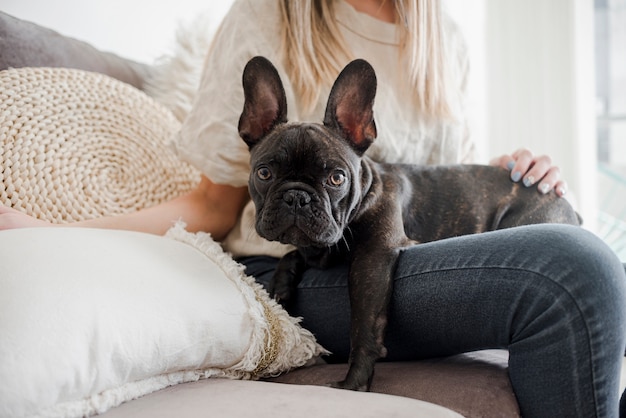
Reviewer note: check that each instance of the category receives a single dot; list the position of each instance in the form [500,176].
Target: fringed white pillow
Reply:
[93,318]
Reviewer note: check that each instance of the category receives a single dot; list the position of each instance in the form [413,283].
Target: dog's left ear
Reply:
[265,102]
[350,105]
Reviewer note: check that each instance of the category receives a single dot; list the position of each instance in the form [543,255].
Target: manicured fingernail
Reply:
[562,190]
[516,176]
[544,188]
[510,165]
[529,181]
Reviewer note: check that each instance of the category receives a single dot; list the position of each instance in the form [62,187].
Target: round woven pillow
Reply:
[78,145]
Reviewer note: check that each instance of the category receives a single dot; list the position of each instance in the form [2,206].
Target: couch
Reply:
[470,385]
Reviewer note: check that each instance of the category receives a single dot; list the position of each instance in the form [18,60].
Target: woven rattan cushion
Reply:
[78,145]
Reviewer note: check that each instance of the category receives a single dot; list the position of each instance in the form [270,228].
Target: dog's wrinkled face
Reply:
[305,178]
[303,189]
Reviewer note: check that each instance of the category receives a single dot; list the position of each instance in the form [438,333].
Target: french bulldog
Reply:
[314,187]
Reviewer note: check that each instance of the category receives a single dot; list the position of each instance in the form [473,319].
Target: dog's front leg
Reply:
[286,277]
[370,290]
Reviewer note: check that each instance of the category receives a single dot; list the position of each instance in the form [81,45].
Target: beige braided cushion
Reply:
[78,145]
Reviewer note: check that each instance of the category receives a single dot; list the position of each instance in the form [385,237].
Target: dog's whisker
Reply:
[345,241]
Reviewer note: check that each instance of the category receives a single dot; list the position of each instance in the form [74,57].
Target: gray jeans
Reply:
[553,295]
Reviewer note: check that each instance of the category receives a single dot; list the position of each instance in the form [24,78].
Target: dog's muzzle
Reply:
[297,199]
[298,217]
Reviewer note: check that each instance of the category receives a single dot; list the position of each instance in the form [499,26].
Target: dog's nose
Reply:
[297,198]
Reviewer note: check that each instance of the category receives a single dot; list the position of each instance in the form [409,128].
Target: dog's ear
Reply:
[265,103]
[350,105]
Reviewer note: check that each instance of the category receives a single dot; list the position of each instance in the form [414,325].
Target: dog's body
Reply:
[313,188]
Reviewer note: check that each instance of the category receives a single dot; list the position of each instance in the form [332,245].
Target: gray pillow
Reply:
[26,44]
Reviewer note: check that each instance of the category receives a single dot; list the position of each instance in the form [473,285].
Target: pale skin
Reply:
[215,208]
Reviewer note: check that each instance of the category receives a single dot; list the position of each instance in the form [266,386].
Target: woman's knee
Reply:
[585,276]
[576,257]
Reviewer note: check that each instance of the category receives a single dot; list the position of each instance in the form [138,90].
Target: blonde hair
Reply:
[315,52]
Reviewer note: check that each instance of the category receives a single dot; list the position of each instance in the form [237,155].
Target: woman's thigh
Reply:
[463,293]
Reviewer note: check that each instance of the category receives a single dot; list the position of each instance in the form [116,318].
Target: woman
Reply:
[551,295]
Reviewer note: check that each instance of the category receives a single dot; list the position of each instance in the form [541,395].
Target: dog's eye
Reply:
[264,173]
[337,179]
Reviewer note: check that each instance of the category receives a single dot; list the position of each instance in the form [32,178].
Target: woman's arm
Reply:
[210,207]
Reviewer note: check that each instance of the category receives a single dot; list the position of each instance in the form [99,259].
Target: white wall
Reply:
[532,84]
[471,18]
[541,91]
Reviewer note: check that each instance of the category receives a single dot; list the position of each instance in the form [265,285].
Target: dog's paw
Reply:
[284,283]
[284,298]
[349,386]
[282,292]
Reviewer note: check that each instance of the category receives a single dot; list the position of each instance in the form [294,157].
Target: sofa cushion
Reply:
[472,384]
[92,318]
[26,44]
[243,399]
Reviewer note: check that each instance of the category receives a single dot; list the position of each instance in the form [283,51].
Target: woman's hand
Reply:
[11,218]
[533,170]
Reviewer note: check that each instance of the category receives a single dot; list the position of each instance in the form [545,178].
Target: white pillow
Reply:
[92,318]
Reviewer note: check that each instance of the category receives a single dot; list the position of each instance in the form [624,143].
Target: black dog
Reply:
[313,188]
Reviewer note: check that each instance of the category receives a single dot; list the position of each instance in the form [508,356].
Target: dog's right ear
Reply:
[350,108]
[265,102]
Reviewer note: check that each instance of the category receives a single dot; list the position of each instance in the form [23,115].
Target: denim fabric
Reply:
[553,295]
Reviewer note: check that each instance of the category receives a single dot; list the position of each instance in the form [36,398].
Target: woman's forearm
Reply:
[209,207]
